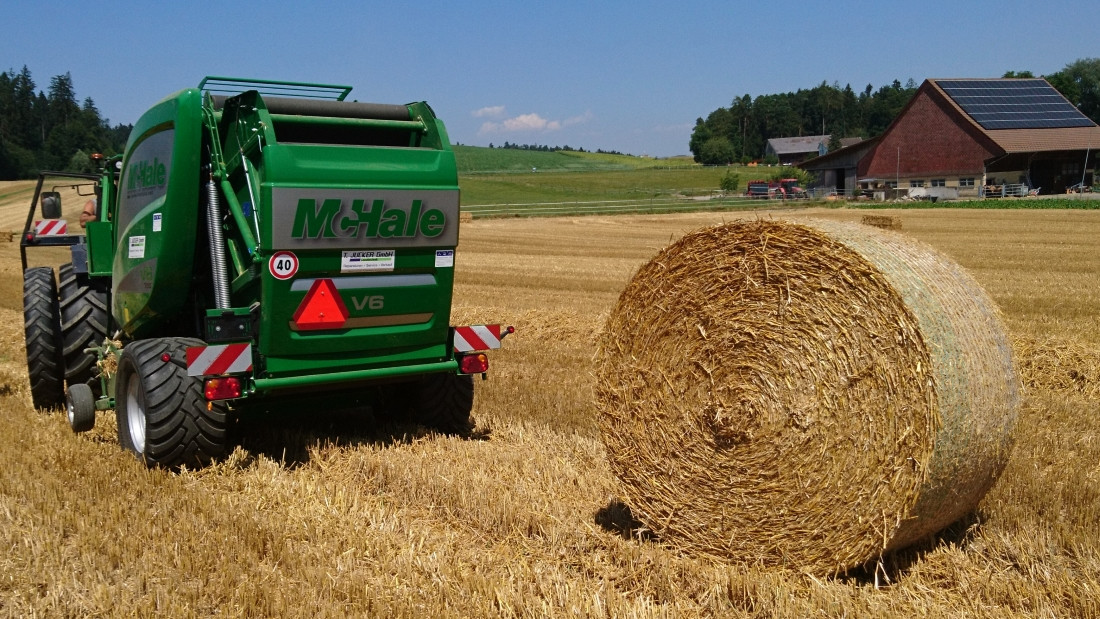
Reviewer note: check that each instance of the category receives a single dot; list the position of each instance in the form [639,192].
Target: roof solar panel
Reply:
[1014,104]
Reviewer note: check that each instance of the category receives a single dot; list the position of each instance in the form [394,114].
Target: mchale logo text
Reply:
[330,220]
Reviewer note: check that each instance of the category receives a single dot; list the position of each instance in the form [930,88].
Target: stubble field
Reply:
[340,514]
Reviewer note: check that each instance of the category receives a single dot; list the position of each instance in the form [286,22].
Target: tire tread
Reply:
[83,325]
[444,402]
[180,430]
[42,331]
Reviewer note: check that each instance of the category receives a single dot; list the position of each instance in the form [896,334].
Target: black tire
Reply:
[80,407]
[161,411]
[42,330]
[83,325]
[444,402]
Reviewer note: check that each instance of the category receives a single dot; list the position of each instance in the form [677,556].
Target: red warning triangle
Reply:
[322,308]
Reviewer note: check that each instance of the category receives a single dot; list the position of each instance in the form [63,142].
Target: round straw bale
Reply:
[809,396]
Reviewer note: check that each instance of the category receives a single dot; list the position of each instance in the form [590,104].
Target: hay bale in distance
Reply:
[886,222]
[803,396]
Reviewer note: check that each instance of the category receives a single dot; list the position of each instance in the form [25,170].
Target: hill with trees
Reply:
[741,131]
[50,130]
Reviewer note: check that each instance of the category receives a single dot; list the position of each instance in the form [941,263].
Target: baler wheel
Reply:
[42,329]
[83,325]
[80,407]
[161,412]
[444,402]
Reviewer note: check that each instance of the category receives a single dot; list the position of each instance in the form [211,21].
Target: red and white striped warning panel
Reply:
[50,227]
[220,359]
[477,337]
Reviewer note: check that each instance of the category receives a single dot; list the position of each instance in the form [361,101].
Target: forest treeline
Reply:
[553,149]
[740,132]
[50,130]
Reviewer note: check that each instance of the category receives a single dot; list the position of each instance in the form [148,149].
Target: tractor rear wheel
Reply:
[83,325]
[42,329]
[444,402]
[161,412]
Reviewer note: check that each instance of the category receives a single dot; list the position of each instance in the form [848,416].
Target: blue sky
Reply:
[626,76]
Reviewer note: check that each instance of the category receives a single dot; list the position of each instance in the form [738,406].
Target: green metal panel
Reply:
[101,247]
[156,216]
[324,380]
[100,233]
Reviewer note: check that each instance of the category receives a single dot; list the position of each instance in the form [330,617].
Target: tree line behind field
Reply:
[553,149]
[740,132]
[50,130]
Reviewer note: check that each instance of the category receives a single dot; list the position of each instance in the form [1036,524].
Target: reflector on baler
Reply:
[322,308]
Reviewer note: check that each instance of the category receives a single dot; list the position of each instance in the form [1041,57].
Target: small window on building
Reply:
[939,182]
[891,184]
[966,182]
[917,183]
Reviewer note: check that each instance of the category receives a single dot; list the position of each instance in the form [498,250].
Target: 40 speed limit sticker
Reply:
[283,264]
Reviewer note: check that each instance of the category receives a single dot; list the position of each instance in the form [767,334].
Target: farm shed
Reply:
[837,171]
[792,151]
[977,135]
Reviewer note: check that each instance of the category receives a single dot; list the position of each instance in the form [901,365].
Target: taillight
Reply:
[222,388]
[477,363]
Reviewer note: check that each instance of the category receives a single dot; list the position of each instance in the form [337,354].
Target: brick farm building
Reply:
[974,137]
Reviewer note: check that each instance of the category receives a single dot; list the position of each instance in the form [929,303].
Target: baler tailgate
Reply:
[362,302]
[324,320]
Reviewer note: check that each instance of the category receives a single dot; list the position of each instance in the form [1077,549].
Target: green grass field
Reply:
[478,160]
[508,176]
[574,183]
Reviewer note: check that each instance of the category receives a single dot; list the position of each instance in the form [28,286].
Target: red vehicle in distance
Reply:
[782,189]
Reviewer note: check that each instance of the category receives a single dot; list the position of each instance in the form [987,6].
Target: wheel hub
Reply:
[135,413]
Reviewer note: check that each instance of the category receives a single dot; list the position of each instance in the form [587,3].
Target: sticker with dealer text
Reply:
[369,260]
[137,247]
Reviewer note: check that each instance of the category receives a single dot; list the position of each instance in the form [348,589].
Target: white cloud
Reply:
[577,120]
[531,123]
[489,112]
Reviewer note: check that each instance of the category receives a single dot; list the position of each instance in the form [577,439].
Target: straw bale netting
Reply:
[798,396]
